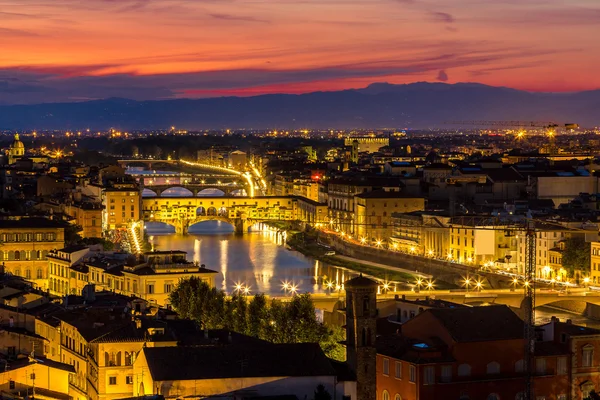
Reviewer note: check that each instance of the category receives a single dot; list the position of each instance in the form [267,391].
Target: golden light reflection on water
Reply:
[258,259]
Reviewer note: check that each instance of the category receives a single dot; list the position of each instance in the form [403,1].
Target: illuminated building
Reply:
[367,144]
[25,244]
[373,212]
[121,205]
[16,150]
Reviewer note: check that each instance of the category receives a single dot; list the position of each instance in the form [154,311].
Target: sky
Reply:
[73,50]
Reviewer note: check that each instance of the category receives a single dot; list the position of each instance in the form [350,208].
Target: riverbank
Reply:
[308,246]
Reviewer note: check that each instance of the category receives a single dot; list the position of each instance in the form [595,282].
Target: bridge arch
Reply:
[211,192]
[177,191]
[149,193]
[196,226]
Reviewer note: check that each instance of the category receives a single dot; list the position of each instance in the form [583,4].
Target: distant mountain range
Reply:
[380,105]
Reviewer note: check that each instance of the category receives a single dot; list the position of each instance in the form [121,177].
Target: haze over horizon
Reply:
[67,50]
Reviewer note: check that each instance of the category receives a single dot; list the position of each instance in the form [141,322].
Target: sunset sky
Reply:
[64,50]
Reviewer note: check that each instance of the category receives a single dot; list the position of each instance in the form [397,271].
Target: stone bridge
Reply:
[572,299]
[241,212]
[196,188]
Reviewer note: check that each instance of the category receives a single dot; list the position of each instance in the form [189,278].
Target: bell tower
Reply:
[361,322]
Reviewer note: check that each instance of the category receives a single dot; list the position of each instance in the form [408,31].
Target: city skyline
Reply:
[68,51]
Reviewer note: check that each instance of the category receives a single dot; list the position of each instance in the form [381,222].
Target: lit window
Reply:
[587,356]
[398,372]
[385,395]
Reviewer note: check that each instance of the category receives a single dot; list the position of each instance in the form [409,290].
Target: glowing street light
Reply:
[479,285]
[239,287]
[247,290]
[430,285]
[293,289]
[515,282]
[363,240]
[419,283]
[430,253]
[467,283]
[286,286]
[586,281]
[378,243]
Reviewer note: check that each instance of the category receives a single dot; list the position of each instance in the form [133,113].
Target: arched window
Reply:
[520,366]
[128,358]
[397,397]
[17,272]
[27,274]
[385,395]
[464,370]
[39,274]
[17,255]
[493,368]
[493,396]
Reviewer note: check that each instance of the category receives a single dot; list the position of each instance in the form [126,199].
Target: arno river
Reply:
[259,260]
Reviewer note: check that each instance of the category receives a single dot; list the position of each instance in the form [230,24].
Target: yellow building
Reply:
[373,213]
[152,279]
[476,242]
[46,378]
[88,216]
[25,245]
[555,269]
[595,263]
[122,206]
[60,275]
[215,372]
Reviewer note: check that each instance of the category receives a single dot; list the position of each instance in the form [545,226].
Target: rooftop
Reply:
[225,362]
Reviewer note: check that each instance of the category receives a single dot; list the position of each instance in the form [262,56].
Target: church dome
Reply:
[17,144]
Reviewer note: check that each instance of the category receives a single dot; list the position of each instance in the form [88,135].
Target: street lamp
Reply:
[430,285]
[246,290]
[430,253]
[586,281]
[419,283]
[239,287]
[515,282]
[363,240]
[479,285]
[379,243]
[467,283]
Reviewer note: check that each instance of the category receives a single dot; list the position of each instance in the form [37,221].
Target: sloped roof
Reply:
[479,324]
[237,361]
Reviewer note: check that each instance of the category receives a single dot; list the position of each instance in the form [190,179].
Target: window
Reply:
[540,366]
[493,368]
[429,378]
[39,274]
[112,380]
[385,395]
[412,373]
[150,289]
[561,397]
[446,373]
[493,396]
[397,397]
[129,380]
[386,366]
[168,287]
[587,356]
[520,366]
[561,366]
[464,370]
[398,372]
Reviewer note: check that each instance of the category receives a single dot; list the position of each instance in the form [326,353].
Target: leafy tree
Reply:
[576,255]
[321,393]
[107,245]
[278,322]
[593,396]
[72,234]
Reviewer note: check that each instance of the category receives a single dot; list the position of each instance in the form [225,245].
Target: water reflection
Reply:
[258,259]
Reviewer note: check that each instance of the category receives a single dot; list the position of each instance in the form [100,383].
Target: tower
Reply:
[361,318]
[354,152]
[16,150]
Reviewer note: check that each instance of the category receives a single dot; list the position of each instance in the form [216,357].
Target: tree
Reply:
[72,234]
[593,396]
[278,322]
[576,255]
[107,245]
[321,393]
